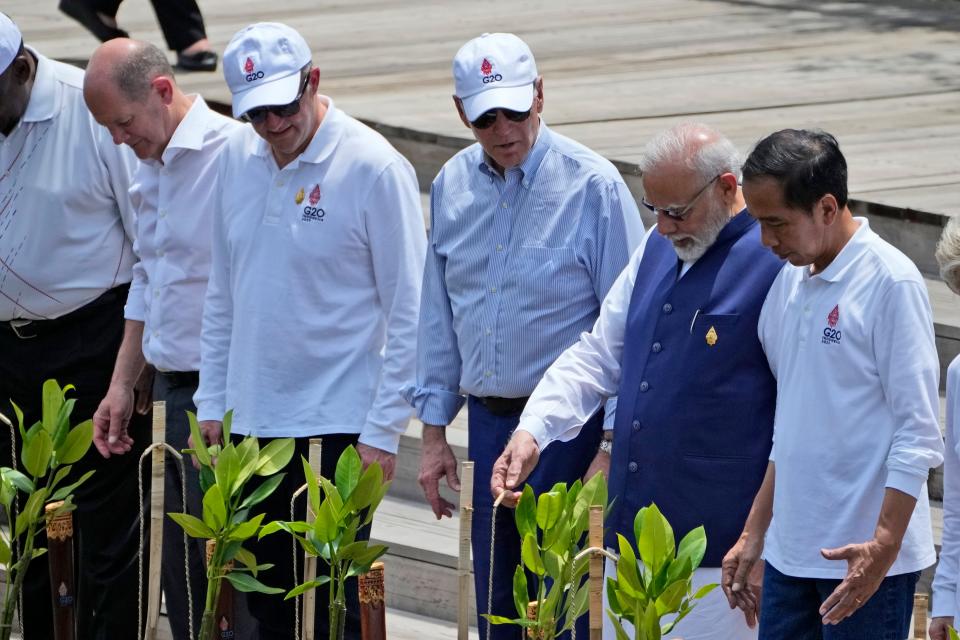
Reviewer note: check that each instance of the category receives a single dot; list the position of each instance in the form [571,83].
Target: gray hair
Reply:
[133,74]
[948,254]
[696,146]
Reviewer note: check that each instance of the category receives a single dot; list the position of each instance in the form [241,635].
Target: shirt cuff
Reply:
[536,428]
[379,439]
[944,603]
[209,410]
[433,406]
[135,309]
[909,483]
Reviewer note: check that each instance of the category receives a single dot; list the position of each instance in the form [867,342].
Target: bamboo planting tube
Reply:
[157,466]
[373,609]
[60,565]
[464,564]
[310,562]
[595,537]
[225,621]
[920,601]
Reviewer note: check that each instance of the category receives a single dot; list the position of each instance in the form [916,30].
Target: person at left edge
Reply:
[310,320]
[66,230]
[130,89]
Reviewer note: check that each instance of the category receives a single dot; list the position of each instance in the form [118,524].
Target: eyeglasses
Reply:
[486,120]
[259,114]
[679,213]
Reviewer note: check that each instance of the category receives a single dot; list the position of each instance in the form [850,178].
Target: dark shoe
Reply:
[200,61]
[87,16]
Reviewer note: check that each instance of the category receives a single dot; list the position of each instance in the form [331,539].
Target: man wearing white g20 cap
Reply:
[309,325]
[529,231]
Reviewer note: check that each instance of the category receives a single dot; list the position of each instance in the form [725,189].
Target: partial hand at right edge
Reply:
[939,628]
[212,433]
[740,570]
[514,466]
[110,421]
[437,461]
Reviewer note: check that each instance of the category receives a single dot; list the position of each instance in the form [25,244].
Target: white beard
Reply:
[698,244]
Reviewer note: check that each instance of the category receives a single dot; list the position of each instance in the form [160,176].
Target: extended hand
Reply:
[514,466]
[742,577]
[437,461]
[110,422]
[387,460]
[939,628]
[867,566]
[212,433]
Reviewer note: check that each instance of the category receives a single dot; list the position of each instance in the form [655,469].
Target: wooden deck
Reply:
[882,75]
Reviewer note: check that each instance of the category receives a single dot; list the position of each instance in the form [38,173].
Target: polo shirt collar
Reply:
[324,141]
[44,100]
[854,248]
[190,132]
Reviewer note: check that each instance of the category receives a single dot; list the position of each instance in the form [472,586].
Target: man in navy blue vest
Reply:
[677,341]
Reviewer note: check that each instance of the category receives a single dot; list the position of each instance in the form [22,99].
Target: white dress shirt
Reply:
[174,200]
[66,225]
[852,349]
[948,569]
[310,319]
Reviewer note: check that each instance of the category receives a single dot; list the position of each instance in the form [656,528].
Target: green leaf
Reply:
[63,492]
[52,400]
[247,583]
[704,590]
[246,529]
[36,453]
[207,478]
[247,453]
[326,524]
[226,470]
[274,457]
[5,553]
[313,488]
[530,553]
[693,546]
[953,634]
[669,601]
[19,413]
[651,622]
[306,586]
[549,508]
[367,487]
[500,619]
[200,451]
[227,424]
[262,492]
[526,515]
[554,564]
[247,559]
[63,423]
[332,494]
[18,480]
[31,510]
[520,594]
[627,578]
[193,527]
[617,627]
[347,473]
[214,509]
[581,602]
[656,538]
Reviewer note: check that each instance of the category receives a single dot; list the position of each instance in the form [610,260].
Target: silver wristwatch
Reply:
[606,446]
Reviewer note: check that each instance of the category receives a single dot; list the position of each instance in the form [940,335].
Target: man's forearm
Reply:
[894,517]
[761,512]
[130,358]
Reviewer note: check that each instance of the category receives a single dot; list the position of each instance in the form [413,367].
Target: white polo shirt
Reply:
[66,225]
[945,601]
[174,200]
[853,352]
[310,320]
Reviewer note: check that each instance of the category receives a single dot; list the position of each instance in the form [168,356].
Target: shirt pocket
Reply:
[545,277]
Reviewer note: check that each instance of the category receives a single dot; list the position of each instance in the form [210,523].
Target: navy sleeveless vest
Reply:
[694,421]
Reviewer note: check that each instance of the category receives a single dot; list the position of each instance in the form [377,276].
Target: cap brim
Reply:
[513,98]
[275,92]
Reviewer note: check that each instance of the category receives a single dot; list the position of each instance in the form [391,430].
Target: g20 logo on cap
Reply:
[250,69]
[486,68]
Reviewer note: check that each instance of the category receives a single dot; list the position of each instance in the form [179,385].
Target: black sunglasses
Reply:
[259,114]
[486,119]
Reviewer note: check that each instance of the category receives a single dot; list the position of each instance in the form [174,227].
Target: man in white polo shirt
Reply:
[66,229]
[848,331]
[130,89]
[310,319]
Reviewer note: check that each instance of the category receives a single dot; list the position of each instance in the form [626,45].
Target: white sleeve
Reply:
[587,373]
[948,568]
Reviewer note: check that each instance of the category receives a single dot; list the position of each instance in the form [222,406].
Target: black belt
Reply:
[26,329]
[503,406]
[179,379]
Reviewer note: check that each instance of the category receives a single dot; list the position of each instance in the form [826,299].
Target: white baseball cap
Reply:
[494,71]
[10,41]
[262,64]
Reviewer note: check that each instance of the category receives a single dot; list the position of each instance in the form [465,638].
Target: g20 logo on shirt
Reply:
[312,212]
[832,335]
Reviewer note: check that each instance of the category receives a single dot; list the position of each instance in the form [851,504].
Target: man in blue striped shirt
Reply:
[529,230]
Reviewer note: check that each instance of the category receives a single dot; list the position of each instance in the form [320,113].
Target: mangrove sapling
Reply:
[552,529]
[49,448]
[224,473]
[347,506]
[659,582]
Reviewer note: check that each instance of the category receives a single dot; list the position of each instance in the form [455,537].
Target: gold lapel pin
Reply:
[299,198]
[712,336]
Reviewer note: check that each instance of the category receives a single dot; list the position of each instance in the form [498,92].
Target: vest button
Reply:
[657,347]
[633,466]
[644,386]
[636,425]
[667,308]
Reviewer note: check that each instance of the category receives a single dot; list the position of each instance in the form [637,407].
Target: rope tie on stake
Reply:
[493,535]
[293,516]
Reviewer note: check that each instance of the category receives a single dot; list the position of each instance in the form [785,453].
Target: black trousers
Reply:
[180,20]
[274,615]
[106,525]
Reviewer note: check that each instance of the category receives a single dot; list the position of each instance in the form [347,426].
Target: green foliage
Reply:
[341,509]
[953,634]
[553,528]
[659,582]
[225,471]
[48,450]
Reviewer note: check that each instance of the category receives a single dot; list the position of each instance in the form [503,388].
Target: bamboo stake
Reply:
[225,622]
[158,462]
[920,601]
[373,610]
[464,564]
[62,589]
[310,562]
[596,573]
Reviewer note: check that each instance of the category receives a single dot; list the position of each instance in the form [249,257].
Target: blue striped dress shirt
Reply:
[517,268]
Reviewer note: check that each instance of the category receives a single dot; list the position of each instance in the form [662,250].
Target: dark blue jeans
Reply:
[790,609]
[560,462]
